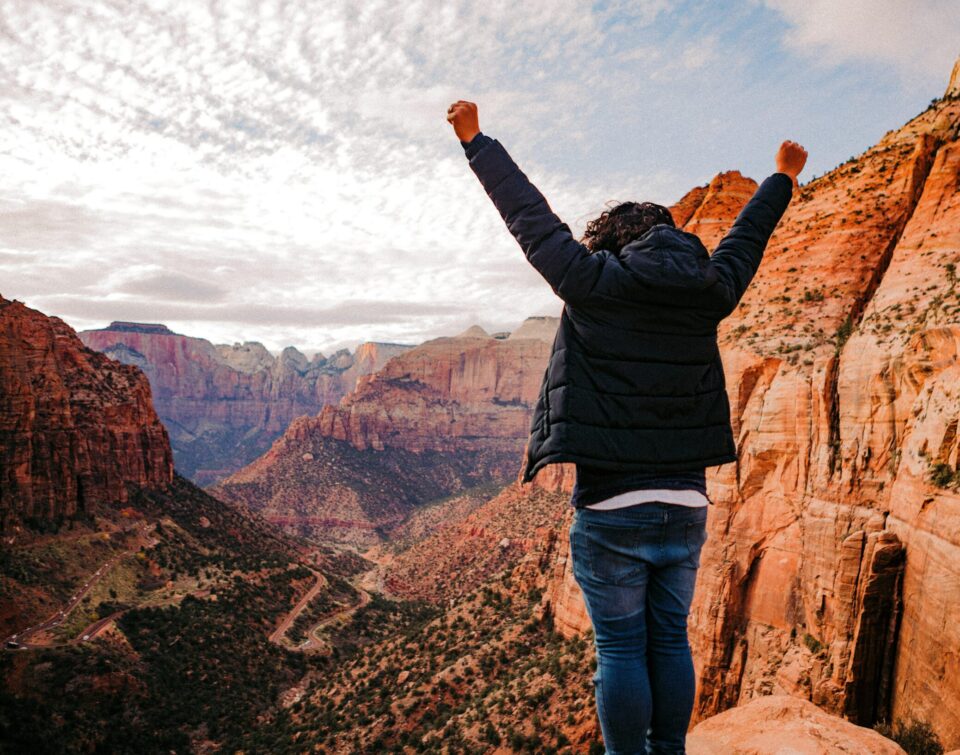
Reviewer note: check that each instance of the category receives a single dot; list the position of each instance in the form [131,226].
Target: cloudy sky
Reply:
[282,170]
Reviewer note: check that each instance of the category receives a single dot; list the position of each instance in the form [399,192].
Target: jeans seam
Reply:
[601,704]
[601,710]
[693,529]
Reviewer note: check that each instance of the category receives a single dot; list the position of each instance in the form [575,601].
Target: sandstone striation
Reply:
[76,428]
[447,394]
[224,404]
[449,414]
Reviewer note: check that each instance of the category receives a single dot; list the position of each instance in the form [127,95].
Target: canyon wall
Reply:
[448,394]
[75,426]
[225,404]
[832,567]
[451,413]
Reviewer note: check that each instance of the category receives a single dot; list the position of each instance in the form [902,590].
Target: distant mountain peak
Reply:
[123,326]
[474,331]
[953,85]
[541,327]
[248,357]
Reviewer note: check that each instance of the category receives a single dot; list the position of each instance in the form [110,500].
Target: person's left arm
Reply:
[566,264]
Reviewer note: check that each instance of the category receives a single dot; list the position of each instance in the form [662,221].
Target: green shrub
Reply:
[943,475]
[916,737]
[843,332]
[812,643]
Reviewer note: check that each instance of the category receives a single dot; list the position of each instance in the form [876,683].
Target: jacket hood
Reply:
[669,258]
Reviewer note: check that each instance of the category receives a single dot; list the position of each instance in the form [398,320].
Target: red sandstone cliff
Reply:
[224,405]
[448,394]
[832,570]
[450,413]
[75,427]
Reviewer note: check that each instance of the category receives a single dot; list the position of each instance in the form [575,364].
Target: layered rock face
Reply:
[224,405]
[453,393]
[75,426]
[451,413]
[832,568]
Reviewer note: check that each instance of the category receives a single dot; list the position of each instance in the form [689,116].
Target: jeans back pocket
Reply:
[613,553]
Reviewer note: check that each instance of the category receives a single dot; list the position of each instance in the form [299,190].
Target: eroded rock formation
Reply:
[224,404]
[75,427]
[451,413]
[448,394]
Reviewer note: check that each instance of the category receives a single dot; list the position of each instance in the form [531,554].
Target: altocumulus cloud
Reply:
[174,286]
[282,171]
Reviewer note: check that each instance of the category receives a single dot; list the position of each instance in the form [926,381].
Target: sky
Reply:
[283,171]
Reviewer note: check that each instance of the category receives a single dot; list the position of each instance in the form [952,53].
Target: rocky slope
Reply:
[169,649]
[225,404]
[76,428]
[461,554]
[490,673]
[451,413]
[128,595]
[832,569]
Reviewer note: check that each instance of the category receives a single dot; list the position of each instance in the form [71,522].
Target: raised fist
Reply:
[791,158]
[463,117]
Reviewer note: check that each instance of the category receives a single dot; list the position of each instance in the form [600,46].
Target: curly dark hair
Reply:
[623,223]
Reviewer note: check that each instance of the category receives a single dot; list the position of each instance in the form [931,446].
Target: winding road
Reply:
[280,632]
[313,642]
[20,639]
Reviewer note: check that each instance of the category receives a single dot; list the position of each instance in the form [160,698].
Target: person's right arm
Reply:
[738,256]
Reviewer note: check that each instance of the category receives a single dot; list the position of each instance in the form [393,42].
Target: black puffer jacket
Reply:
[635,381]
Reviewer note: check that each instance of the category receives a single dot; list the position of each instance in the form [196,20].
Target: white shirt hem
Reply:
[631,497]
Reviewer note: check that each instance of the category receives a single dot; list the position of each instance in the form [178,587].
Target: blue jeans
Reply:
[636,567]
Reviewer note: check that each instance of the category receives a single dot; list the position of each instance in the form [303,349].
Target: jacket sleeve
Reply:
[737,257]
[566,264]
